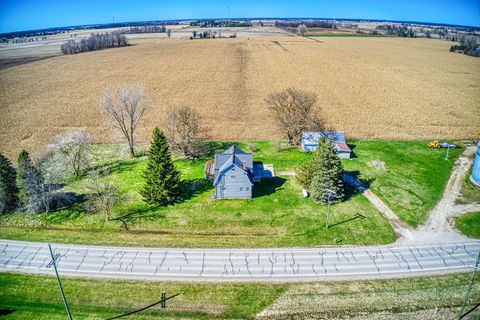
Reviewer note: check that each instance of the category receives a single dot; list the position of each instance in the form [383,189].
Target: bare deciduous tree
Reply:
[102,194]
[125,107]
[184,130]
[72,149]
[301,30]
[295,111]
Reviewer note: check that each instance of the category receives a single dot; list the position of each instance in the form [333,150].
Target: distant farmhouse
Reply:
[234,174]
[309,142]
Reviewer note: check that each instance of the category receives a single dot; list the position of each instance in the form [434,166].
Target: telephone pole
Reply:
[467,294]
[59,282]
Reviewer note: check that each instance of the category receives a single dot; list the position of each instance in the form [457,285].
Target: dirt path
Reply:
[438,228]
[403,230]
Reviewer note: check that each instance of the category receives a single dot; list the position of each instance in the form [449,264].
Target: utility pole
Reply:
[228,12]
[329,193]
[59,282]
[467,294]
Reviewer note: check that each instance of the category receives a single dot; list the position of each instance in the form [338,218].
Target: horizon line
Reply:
[244,18]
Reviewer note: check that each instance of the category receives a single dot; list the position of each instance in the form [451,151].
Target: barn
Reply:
[233,174]
[475,178]
[309,142]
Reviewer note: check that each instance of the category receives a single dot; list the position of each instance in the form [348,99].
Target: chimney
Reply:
[244,163]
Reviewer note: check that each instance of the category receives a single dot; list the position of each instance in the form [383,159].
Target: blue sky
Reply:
[35,14]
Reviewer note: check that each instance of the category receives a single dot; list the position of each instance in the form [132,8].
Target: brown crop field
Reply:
[372,88]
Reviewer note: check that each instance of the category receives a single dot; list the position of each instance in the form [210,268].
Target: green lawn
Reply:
[413,179]
[469,224]
[37,297]
[468,193]
[277,215]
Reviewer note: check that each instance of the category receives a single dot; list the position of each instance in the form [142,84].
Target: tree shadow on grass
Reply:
[119,167]
[213,147]
[190,189]
[355,185]
[6,311]
[268,186]
[194,187]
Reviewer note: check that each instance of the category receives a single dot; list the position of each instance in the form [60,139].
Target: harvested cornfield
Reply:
[372,88]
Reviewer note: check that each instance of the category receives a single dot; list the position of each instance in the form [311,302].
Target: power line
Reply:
[162,301]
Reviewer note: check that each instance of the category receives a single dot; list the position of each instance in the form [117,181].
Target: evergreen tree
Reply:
[327,173]
[30,182]
[305,174]
[162,180]
[8,187]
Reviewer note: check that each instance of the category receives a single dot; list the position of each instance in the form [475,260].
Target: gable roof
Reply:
[221,158]
[232,156]
[232,161]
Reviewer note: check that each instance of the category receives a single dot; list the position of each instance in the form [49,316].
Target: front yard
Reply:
[411,182]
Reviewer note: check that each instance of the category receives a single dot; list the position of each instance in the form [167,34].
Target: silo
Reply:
[475,178]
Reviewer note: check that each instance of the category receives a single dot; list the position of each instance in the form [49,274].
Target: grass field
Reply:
[277,215]
[372,88]
[414,177]
[469,224]
[28,297]
[468,193]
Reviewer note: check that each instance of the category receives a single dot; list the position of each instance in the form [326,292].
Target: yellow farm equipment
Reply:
[435,144]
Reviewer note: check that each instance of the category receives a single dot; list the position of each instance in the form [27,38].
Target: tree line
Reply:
[96,41]
[144,29]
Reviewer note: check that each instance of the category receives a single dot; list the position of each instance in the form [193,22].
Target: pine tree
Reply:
[8,187]
[162,180]
[304,174]
[327,173]
[30,182]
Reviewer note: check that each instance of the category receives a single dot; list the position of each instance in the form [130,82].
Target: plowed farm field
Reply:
[371,88]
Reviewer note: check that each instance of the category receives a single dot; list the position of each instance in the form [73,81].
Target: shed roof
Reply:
[312,138]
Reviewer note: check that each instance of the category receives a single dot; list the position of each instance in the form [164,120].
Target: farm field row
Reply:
[371,88]
[276,216]
[93,299]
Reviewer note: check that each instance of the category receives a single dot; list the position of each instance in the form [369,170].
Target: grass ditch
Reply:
[28,296]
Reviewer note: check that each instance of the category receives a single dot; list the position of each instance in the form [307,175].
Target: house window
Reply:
[233,177]
[241,189]
[247,189]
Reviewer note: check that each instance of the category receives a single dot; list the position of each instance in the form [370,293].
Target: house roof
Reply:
[312,138]
[221,158]
[233,156]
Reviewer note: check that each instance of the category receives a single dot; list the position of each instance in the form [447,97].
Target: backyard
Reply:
[411,182]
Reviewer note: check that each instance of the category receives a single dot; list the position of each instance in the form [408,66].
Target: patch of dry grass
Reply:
[380,88]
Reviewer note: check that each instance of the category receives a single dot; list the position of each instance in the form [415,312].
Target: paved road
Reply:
[241,264]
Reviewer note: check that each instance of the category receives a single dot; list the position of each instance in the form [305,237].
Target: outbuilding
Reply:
[475,177]
[309,142]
